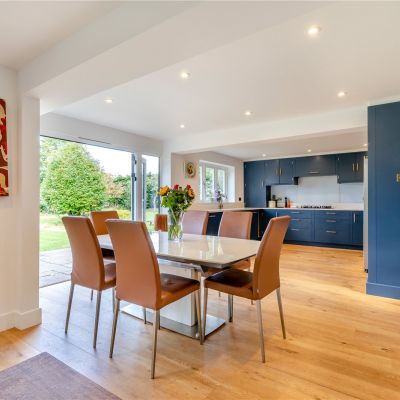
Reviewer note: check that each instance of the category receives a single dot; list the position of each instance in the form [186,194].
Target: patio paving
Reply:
[55,267]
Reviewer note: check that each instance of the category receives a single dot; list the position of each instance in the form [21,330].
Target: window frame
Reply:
[203,165]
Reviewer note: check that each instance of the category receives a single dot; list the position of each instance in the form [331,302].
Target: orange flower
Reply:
[191,193]
[164,190]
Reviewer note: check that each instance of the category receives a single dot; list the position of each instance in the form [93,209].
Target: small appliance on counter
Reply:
[272,202]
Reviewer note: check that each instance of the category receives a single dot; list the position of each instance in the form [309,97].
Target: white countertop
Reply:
[288,209]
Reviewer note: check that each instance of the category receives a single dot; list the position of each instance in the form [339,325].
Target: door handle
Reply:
[331,232]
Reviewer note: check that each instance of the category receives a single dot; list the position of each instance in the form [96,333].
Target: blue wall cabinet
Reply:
[357,229]
[286,172]
[271,168]
[350,167]
[315,166]
[254,184]
[384,200]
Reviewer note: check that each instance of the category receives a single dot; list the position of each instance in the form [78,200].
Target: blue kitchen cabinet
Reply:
[214,219]
[271,168]
[333,226]
[254,186]
[357,228]
[301,227]
[350,167]
[384,200]
[286,172]
[256,225]
[315,166]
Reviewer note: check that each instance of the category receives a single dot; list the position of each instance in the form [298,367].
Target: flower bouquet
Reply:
[177,200]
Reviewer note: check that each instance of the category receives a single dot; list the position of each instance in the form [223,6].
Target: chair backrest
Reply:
[99,219]
[235,224]
[161,222]
[87,259]
[138,274]
[195,222]
[266,267]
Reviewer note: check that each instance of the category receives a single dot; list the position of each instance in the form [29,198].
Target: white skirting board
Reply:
[16,319]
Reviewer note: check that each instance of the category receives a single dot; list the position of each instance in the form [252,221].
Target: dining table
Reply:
[192,256]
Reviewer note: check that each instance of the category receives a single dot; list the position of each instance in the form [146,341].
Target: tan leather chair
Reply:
[161,222]
[236,224]
[99,219]
[88,268]
[195,222]
[263,281]
[139,280]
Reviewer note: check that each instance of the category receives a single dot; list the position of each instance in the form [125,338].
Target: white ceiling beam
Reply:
[346,120]
[123,46]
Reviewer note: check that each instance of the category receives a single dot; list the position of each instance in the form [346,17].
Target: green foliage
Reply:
[152,198]
[177,199]
[73,183]
[118,191]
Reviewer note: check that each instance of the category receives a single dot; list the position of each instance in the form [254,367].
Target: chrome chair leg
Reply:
[278,295]
[91,295]
[71,295]
[230,307]
[96,322]
[260,329]
[205,300]
[199,325]
[144,315]
[113,297]
[114,327]
[156,324]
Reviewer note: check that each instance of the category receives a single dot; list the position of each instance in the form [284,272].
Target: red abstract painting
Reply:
[3,150]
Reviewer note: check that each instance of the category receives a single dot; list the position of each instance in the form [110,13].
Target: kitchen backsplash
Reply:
[321,190]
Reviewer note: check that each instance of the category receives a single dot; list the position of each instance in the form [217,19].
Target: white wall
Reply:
[321,190]
[19,220]
[177,174]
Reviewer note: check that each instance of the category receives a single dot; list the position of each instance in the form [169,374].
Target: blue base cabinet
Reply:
[384,200]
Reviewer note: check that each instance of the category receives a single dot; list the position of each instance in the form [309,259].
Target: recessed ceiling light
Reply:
[248,113]
[341,94]
[264,155]
[182,126]
[365,144]
[108,101]
[313,30]
[309,151]
[185,75]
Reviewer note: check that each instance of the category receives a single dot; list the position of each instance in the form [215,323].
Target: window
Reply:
[212,178]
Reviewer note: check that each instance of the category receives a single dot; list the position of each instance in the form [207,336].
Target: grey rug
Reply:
[43,377]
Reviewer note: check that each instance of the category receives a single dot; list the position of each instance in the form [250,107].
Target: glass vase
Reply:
[175,231]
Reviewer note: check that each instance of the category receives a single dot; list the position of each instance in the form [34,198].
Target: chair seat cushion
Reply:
[175,287]
[232,281]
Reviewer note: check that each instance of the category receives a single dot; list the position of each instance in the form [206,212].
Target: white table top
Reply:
[210,251]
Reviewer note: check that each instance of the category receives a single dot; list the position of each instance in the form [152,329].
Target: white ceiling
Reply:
[28,28]
[278,72]
[327,143]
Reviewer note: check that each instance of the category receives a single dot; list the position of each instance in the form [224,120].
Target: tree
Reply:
[48,148]
[73,183]
[118,191]
[151,190]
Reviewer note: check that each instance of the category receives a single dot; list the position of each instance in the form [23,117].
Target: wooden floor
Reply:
[342,344]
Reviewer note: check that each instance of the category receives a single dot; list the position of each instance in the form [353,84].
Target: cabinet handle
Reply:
[353,167]
[313,172]
[357,167]
[280,171]
[354,217]
[295,212]
[331,232]
[330,213]
[294,229]
[295,219]
[331,220]
[211,216]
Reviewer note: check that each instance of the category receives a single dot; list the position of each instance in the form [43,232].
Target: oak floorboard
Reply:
[341,343]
